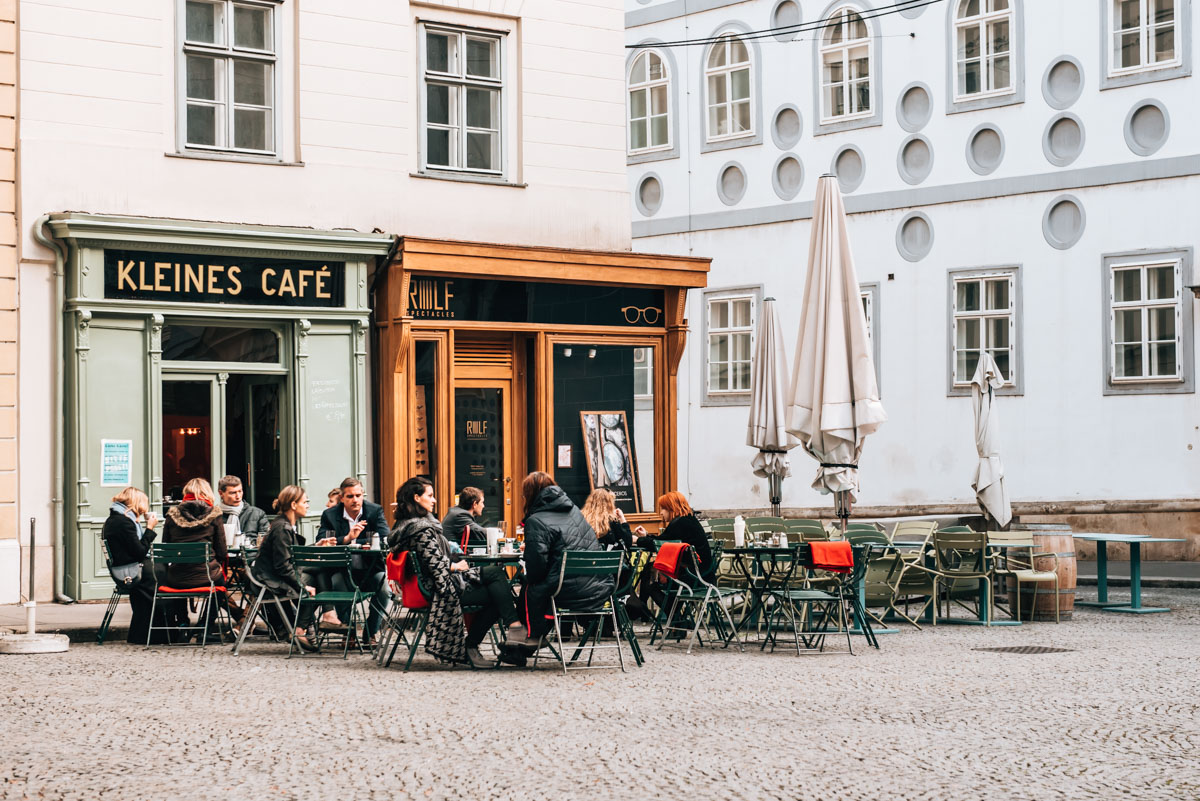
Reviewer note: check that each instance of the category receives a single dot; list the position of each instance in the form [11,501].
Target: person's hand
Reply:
[355,530]
[326,541]
[640,531]
[151,520]
[460,566]
[311,590]
[620,515]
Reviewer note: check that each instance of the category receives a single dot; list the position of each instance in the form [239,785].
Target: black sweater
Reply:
[121,535]
[688,529]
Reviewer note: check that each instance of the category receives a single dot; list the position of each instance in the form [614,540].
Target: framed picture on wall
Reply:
[610,458]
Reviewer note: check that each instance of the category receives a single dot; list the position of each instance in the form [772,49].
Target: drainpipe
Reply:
[60,258]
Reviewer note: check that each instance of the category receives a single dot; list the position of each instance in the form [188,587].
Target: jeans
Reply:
[493,595]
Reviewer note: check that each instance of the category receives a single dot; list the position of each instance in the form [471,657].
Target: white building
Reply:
[287,142]
[1021,177]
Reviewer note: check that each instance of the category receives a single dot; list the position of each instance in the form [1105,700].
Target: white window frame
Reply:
[1145,305]
[648,86]
[726,71]
[843,50]
[984,21]
[644,366]
[730,331]
[463,82]
[1146,30]
[229,54]
[983,315]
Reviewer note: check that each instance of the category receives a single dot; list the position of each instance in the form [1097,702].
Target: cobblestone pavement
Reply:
[927,717]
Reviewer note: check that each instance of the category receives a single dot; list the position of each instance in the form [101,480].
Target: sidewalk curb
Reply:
[1164,583]
[80,634]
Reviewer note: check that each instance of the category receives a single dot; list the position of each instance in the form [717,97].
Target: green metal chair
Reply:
[1019,568]
[186,553]
[765,525]
[960,563]
[689,596]
[592,564]
[257,608]
[336,560]
[120,590]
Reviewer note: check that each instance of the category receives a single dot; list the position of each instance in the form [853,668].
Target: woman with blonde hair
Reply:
[197,519]
[128,542]
[607,520]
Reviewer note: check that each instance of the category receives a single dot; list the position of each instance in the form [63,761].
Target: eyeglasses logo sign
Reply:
[633,314]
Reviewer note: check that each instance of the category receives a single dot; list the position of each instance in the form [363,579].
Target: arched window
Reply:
[649,95]
[983,55]
[727,86]
[845,67]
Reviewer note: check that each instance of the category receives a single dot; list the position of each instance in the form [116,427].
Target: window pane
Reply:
[970,79]
[997,295]
[966,362]
[1160,282]
[967,296]
[862,96]
[737,52]
[1003,362]
[967,336]
[252,83]
[718,377]
[638,73]
[481,151]
[1164,11]
[999,5]
[203,78]
[717,91]
[742,376]
[1127,285]
[658,131]
[1128,49]
[1129,361]
[835,101]
[834,72]
[969,9]
[718,121]
[657,70]
[1001,74]
[860,65]
[440,103]
[718,348]
[219,344]
[858,28]
[999,32]
[741,347]
[658,100]
[481,108]
[1162,359]
[1164,44]
[252,28]
[998,332]
[1128,14]
[201,125]
[718,314]
[637,134]
[1162,324]
[968,42]
[741,313]
[1128,326]
[437,149]
[481,58]
[741,117]
[716,56]
[205,22]
[251,128]
[440,55]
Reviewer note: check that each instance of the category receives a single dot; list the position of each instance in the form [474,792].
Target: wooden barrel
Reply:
[1062,544]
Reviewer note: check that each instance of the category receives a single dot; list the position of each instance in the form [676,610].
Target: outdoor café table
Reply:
[767,570]
[492,558]
[1134,541]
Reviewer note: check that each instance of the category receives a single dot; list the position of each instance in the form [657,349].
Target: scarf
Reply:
[122,509]
[193,497]
[235,515]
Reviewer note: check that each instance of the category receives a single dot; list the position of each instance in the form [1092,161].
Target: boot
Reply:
[478,661]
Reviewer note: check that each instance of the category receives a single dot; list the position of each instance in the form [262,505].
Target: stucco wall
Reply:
[9,549]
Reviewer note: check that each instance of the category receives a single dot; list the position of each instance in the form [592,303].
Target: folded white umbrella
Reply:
[989,473]
[766,429]
[834,400]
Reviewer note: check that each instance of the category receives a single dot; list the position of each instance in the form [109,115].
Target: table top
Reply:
[1127,538]
[499,558]
[762,550]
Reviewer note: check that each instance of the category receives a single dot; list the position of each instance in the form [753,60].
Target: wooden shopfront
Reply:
[495,360]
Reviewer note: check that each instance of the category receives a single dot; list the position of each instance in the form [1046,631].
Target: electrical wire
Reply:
[903,5]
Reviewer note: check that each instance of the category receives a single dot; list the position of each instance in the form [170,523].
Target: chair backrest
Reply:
[803,521]
[913,530]
[863,537]
[104,550]
[321,556]
[1011,539]
[465,540]
[963,551]
[404,569]
[594,564]
[669,559]
[957,529]
[180,553]
[836,557]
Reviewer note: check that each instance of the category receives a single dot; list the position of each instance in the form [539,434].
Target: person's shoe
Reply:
[511,656]
[529,645]
[333,625]
[478,661]
[304,643]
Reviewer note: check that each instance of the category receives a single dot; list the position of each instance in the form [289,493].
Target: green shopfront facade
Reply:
[197,349]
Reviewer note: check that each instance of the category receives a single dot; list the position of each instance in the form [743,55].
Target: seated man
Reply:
[244,519]
[463,516]
[353,521]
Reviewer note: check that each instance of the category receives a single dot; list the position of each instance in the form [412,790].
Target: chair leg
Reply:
[248,620]
[153,604]
[616,632]
[667,626]
[113,600]
[412,651]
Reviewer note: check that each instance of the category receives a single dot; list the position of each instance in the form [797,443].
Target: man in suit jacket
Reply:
[352,522]
[463,516]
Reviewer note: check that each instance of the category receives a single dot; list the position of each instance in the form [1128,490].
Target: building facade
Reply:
[210,196]
[1020,180]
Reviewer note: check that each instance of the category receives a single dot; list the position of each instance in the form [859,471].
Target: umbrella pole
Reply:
[842,503]
[775,489]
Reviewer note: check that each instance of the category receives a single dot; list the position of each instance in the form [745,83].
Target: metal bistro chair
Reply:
[960,563]
[622,593]
[1020,568]
[256,609]
[409,615]
[186,553]
[120,589]
[313,558]
[594,564]
[688,592]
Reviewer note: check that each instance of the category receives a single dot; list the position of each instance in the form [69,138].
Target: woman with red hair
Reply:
[679,525]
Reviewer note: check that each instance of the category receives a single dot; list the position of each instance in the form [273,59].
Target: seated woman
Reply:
[455,584]
[276,571]
[554,525]
[679,525]
[602,514]
[129,548]
[198,519]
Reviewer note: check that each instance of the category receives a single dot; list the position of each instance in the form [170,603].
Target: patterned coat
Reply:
[446,634]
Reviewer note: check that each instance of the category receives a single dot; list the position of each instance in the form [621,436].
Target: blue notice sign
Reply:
[116,462]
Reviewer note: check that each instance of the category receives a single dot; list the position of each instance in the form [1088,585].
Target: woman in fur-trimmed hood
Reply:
[197,520]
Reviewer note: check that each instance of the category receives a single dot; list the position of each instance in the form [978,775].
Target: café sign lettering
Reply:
[176,277]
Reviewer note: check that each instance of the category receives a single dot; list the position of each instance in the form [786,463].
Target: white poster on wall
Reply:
[116,462]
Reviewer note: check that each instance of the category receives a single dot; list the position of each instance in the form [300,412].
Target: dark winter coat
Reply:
[456,520]
[334,523]
[196,521]
[274,567]
[553,525]
[126,545]
[618,535]
[446,634]
[686,528]
[252,521]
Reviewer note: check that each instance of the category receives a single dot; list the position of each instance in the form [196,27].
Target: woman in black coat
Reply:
[274,568]
[679,525]
[128,543]
[553,525]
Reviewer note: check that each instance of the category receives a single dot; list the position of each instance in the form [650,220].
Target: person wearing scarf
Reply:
[128,543]
[248,520]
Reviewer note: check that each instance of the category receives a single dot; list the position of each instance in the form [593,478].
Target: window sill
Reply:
[1164,72]
[964,390]
[646,156]
[732,399]
[745,140]
[1150,386]
[839,125]
[467,178]
[959,105]
[235,158]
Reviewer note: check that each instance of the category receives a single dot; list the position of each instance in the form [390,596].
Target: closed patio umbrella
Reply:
[766,428]
[834,400]
[989,473]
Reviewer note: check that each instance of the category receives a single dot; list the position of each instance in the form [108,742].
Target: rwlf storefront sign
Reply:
[174,277]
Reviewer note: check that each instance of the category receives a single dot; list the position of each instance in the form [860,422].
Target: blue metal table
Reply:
[1134,541]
